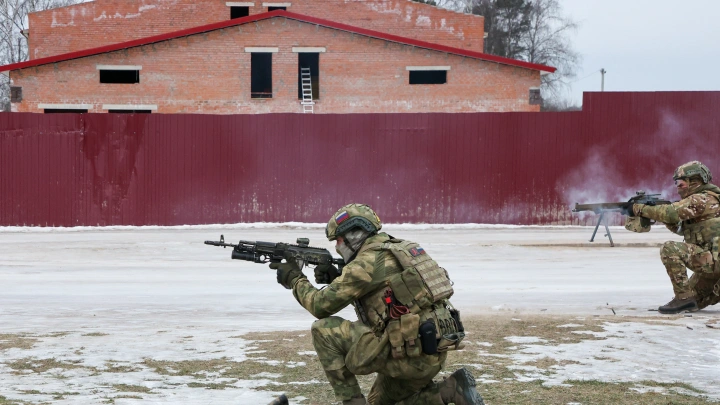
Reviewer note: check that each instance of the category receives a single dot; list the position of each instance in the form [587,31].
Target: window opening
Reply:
[309,60]
[130,111]
[120,76]
[239,12]
[273,8]
[428,76]
[63,110]
[261,75]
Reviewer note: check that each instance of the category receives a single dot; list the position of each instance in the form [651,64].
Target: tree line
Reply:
[534,31]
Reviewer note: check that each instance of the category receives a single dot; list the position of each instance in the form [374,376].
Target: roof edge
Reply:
[263,16]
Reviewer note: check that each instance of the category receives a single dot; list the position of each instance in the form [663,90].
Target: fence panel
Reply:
[506,168]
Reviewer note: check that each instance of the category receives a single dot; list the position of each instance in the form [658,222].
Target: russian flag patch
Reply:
[342,217]
[417,251]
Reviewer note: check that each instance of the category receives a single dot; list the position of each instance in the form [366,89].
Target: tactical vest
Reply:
[414,280]
[702,230]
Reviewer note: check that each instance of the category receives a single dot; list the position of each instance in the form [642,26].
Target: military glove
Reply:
[326,273]
[638,224]
[288,272]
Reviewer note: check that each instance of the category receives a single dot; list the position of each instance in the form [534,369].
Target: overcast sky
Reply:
[646,45]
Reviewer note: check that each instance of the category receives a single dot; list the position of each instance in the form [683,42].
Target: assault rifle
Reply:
[263,252]
[601,208]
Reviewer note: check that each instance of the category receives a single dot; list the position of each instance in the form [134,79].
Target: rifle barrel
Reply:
[610,206]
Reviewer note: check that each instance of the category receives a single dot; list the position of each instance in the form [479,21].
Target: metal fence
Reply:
[500,168]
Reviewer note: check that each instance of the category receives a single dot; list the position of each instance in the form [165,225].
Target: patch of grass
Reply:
[287,359]
[5,401]
[96,334]
[487,355]
[62,395]
[582,392]
[17,341]
[193,368]
[113,367]
[210,386]
[41,365]
[131,388]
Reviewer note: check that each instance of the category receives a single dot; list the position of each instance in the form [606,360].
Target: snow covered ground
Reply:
[108,299]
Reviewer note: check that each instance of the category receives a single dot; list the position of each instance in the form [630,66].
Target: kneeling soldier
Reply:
[697,218]
[406,323]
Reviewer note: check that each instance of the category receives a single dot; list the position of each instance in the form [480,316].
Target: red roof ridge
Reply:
[264,16]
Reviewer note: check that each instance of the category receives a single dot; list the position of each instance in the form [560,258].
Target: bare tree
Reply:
[506,23]
[548,42]
[13,44]
[533,31]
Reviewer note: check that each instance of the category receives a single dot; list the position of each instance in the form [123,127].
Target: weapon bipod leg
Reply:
[602,216]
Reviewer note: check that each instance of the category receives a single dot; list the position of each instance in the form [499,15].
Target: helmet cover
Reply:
[692,169]
[352,216]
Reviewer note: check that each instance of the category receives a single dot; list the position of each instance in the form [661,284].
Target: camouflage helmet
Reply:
[692,169]
[352,216]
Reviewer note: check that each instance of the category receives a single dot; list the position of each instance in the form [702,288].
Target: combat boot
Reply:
[355,401]
[678,305]
[459,389]
[281,400]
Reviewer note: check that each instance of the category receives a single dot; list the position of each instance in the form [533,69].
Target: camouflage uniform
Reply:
[697,218]
[346,349]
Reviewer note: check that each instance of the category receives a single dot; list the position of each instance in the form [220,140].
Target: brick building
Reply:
[237,58]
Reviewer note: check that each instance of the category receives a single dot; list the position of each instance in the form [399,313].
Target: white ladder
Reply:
[307,100]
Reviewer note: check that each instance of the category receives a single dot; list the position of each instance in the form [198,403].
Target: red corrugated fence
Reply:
[508,168]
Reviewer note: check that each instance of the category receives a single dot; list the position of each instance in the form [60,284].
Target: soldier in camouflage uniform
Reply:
[392,308]
[697,218]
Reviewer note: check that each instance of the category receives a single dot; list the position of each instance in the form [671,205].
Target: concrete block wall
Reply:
[105,22]
[210,73]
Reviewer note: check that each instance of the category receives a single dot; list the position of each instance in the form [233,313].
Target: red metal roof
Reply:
[264,16]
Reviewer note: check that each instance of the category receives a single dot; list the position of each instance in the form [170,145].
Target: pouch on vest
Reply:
[409,326]
[450,329]
[396,339]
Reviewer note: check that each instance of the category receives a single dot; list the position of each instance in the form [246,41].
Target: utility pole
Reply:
[602,80]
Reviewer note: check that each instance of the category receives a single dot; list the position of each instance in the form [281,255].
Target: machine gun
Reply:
[601,208]
[263,252]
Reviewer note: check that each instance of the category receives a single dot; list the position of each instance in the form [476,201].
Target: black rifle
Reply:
[601,208]
[263,252]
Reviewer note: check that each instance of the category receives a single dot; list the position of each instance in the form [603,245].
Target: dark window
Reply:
[428,76]
[261,75]
[535,98]
[63,110]
[130,111]
[311,61]
[276,8]
[15,94]
[239,12]
[120,76]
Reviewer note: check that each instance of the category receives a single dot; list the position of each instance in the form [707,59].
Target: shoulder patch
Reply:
[417,251]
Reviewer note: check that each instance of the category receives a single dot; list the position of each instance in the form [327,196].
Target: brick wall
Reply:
[210,73]
[104,22]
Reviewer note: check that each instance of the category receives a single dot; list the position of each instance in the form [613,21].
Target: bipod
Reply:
[602,216]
